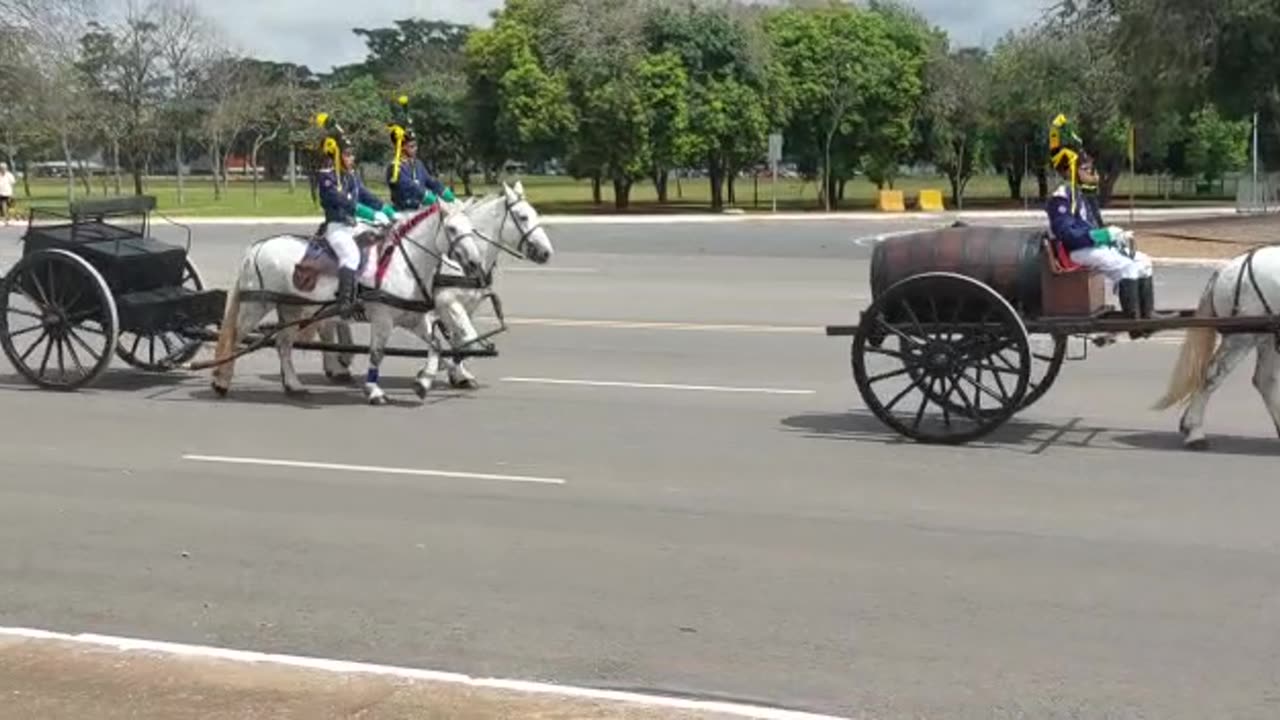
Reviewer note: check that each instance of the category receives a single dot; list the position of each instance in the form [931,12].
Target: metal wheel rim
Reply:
[958,377]
[68,292]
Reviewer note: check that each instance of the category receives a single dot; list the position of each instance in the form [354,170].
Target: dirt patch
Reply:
[1217,237]
[52,680]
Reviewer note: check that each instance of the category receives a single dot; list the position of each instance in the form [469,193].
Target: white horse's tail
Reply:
[1193,360]
[229,331]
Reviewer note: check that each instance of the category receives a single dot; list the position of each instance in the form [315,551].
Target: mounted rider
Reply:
[411,186]
[349,208]
[1075,222]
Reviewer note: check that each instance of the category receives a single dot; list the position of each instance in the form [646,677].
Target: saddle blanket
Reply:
[320,259]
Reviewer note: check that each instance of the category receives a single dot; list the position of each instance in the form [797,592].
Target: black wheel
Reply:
[58,321]
[162,351]
[1044,370]
[958,365]
[1045,366]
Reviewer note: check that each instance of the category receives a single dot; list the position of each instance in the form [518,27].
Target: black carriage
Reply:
[945,353]
[91,283]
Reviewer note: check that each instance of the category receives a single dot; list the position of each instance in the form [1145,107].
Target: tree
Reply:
[956,120]
[186,40]
[1215,145]
[664,88]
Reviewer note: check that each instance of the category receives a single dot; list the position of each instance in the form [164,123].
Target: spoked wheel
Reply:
[1045,366]
[164,350]
[942,358]
[58,320]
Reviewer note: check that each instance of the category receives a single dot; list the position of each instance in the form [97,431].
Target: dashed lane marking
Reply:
[371,469]
[656,386]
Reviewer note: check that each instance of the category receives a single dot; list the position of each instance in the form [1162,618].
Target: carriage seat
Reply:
[1068,288]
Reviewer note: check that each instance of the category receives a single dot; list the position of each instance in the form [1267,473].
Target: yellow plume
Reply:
[322,119]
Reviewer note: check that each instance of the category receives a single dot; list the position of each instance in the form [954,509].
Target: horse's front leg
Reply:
[459,332]
[1229,354]
[427,375]
[381,323]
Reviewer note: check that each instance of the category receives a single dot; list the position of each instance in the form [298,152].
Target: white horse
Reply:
[1248,285]
[419,245]
[505,223]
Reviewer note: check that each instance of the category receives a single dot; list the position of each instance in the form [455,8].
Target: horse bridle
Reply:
[400,236]
[525,233]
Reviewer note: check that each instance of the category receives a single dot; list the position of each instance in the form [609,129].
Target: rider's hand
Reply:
[448,195]
[381,219]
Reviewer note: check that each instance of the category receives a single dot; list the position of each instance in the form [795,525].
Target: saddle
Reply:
[320,259]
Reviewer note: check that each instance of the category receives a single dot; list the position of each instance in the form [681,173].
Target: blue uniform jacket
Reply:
[412,185]
[340,205]
[1072,229]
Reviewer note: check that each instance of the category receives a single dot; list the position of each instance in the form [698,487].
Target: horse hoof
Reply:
[464,384]
[296,392]
[220,390]
[421,390]
[1198,445]
[378,400]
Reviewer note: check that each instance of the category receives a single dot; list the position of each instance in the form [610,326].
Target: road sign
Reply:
[775,148]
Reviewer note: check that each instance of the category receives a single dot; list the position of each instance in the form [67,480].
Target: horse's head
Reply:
[533,240]
[458,241]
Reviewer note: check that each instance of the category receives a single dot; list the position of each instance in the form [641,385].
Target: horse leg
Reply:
[458,331]
[1266,378]
[427,375]
[381,324]
[344,336]
[330,332]
[293,386]
[1229,354]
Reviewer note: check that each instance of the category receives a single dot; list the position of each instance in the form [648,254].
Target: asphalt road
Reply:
[717,514]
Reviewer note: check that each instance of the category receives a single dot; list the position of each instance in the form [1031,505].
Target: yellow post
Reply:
[891,201]
[931,201]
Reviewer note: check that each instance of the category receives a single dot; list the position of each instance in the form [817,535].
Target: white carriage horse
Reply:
[1248,285]
[291,273]
[505,223]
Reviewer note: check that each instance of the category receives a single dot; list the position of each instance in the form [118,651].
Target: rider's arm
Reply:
[1069,229]
[330,196]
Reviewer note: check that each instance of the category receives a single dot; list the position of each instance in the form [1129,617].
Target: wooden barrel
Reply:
[1005,258]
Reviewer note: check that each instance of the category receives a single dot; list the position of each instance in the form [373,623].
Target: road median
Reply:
[51,677]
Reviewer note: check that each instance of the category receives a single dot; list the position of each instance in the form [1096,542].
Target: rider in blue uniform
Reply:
[348,207]
[410,184]
[1076,223]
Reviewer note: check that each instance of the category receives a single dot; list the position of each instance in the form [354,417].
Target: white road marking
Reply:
[371,469]
[656,386]
[658,325]
[356,668]
[549,269]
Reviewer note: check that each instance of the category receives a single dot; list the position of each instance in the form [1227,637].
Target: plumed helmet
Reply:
[401,131]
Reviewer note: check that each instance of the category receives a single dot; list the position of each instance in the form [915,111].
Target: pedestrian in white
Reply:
[7,181]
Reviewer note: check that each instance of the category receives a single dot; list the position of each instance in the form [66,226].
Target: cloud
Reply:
[319,34]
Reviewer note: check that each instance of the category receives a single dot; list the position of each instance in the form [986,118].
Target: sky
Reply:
[300,31]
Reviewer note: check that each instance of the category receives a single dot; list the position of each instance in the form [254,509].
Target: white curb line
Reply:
[344,667]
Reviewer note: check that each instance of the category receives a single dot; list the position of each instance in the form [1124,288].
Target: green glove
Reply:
[429,199]
[366,213]
[389,210]
[1102,237]
[448,195]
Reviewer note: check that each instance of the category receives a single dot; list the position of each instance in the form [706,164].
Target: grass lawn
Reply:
[565,195]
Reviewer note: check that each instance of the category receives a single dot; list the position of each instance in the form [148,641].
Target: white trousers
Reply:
[342,238]
[1114,264]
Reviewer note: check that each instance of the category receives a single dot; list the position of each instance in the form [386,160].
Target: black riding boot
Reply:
[346,292]
[1130,304]
[1146,297]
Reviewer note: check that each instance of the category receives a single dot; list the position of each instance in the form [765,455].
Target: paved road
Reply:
[755,536]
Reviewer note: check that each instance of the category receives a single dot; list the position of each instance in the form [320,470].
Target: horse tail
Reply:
[229,331]
[1193,360]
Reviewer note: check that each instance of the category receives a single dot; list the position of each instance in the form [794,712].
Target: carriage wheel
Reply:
[960,365]
[58,320]
[1044,371]
[162,351]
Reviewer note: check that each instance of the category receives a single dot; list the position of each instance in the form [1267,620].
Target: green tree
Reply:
[956,120]
[1215,145]
[664,87]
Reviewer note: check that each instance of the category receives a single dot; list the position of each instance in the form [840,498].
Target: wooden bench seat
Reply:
[1067,288]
